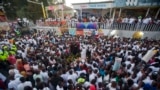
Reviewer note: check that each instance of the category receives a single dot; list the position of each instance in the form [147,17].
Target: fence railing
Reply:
[135,26]
[112,26]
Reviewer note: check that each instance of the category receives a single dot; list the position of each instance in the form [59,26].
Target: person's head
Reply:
[70,72]
[93,81]
[38,80]
[37,71]
[130,82]
[43,69]
[134,75]
[22,79]
[95,71]
[100,85]
[28,88]
[129,66]
[113,84]
[70,81]
[11,72]
[78,87]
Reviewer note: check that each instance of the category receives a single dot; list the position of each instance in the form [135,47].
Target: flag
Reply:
[72,31]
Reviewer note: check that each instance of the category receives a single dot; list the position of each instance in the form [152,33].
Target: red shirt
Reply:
[2,85]
[92,87]
[12,59]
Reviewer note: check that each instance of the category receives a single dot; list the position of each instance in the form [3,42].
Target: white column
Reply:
[110,14]
[81,13]
[120,10]
[147,11]
[157,13]
[114,12]
[62,12]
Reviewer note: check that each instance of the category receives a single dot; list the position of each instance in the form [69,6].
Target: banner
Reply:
[50,8]
[4,26]
[58,32]
[87,32]
[149,55]
[79,32]
[117,64]
[72,31]
[105,32]
[86,26]
[93,6]
[100,32]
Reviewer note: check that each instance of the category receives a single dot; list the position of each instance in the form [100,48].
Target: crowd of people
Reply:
[44,61]
[102,22]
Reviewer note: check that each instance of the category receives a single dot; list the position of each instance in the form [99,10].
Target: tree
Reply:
[14,7]
[21,8]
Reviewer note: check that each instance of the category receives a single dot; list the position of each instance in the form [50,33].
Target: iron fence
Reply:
[107,25]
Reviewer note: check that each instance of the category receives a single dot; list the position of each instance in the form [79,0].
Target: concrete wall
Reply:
[107,32]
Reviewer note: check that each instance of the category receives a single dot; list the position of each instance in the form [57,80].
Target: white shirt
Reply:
[99,79]
[22,85]
[86,84]
[59,88]
[139,75]
[35,67]
[146,20]
[147,80]
[35,76]
[44,76]
[156,69]
[92,76]
[79,72]
[2,77]
[131,20]
[13,84]
[72,77]
[64,76]
[110,87]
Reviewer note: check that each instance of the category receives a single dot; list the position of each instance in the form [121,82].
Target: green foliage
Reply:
[21,13]
[22,8]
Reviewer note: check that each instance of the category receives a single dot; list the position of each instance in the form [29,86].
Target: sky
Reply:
[69,2]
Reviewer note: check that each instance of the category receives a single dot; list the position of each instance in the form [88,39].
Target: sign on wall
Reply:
[118,3]
[123,3]
[93,6]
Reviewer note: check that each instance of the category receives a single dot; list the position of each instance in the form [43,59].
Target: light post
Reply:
[43,10]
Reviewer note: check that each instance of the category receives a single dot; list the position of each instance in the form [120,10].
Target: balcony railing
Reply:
[111,26]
